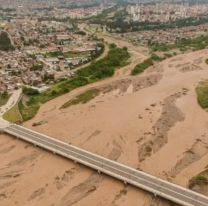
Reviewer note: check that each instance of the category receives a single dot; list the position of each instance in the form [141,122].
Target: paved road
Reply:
[129,175]
[10,103]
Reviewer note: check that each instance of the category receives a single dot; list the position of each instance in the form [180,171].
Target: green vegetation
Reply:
[142,66]
[148,149]
[36,124]
[54,54]
[183,44]
[7,9]
[200,177]
[72,55]
[44,8]
[199,180]
[202,94]
[103,17]
[82,98]
[139,68]
[5,43]
[93,54]
[29,91]
[81,33]
[13,115]
[28,112]
[47,77]
[4,100]
[97,70]
[36,67]
[104,68]
[67,19]
[4,95]
[118,22]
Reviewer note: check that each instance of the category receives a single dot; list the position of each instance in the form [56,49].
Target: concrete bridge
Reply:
[127,174]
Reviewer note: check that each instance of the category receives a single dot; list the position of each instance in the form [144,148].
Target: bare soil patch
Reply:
[94,134]
[200,183]
[190,68]
[68,175]
[138,83]
[25,159]
[7,149]
[6,185]
[198,60]
[120,197]
[88,186]
[182,65]
[156,69]
[198,150]
[36,194]
[176,59]
[158,137]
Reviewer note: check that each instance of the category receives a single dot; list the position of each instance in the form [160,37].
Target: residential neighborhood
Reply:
[168,36]
[53,45]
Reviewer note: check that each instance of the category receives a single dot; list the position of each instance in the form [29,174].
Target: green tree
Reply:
[4,95]
[112,46]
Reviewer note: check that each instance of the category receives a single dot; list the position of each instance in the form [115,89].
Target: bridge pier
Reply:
[99,171]
[54,152]
[125,182]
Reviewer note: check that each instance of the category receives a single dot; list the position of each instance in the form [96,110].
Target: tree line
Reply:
[96,71]
[141,26]
[139,68]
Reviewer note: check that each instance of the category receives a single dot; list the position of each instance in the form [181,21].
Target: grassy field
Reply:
[12,115]
[28,112]
[66,55]
[96,29]
[72,55]
[82,98]
[202,94]
[4,101]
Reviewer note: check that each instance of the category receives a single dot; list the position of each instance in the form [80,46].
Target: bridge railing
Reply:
[104,165]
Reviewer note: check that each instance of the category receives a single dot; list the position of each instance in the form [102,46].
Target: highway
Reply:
[127,174]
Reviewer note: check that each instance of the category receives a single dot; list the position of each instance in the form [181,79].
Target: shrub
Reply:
[200,177]
[29,91]
[36,67]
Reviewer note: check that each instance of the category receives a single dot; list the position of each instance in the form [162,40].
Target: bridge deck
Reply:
[127,174]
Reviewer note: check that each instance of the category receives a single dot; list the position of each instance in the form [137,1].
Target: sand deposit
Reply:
[151,122]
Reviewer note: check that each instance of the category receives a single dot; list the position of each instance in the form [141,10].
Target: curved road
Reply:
[10,103]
